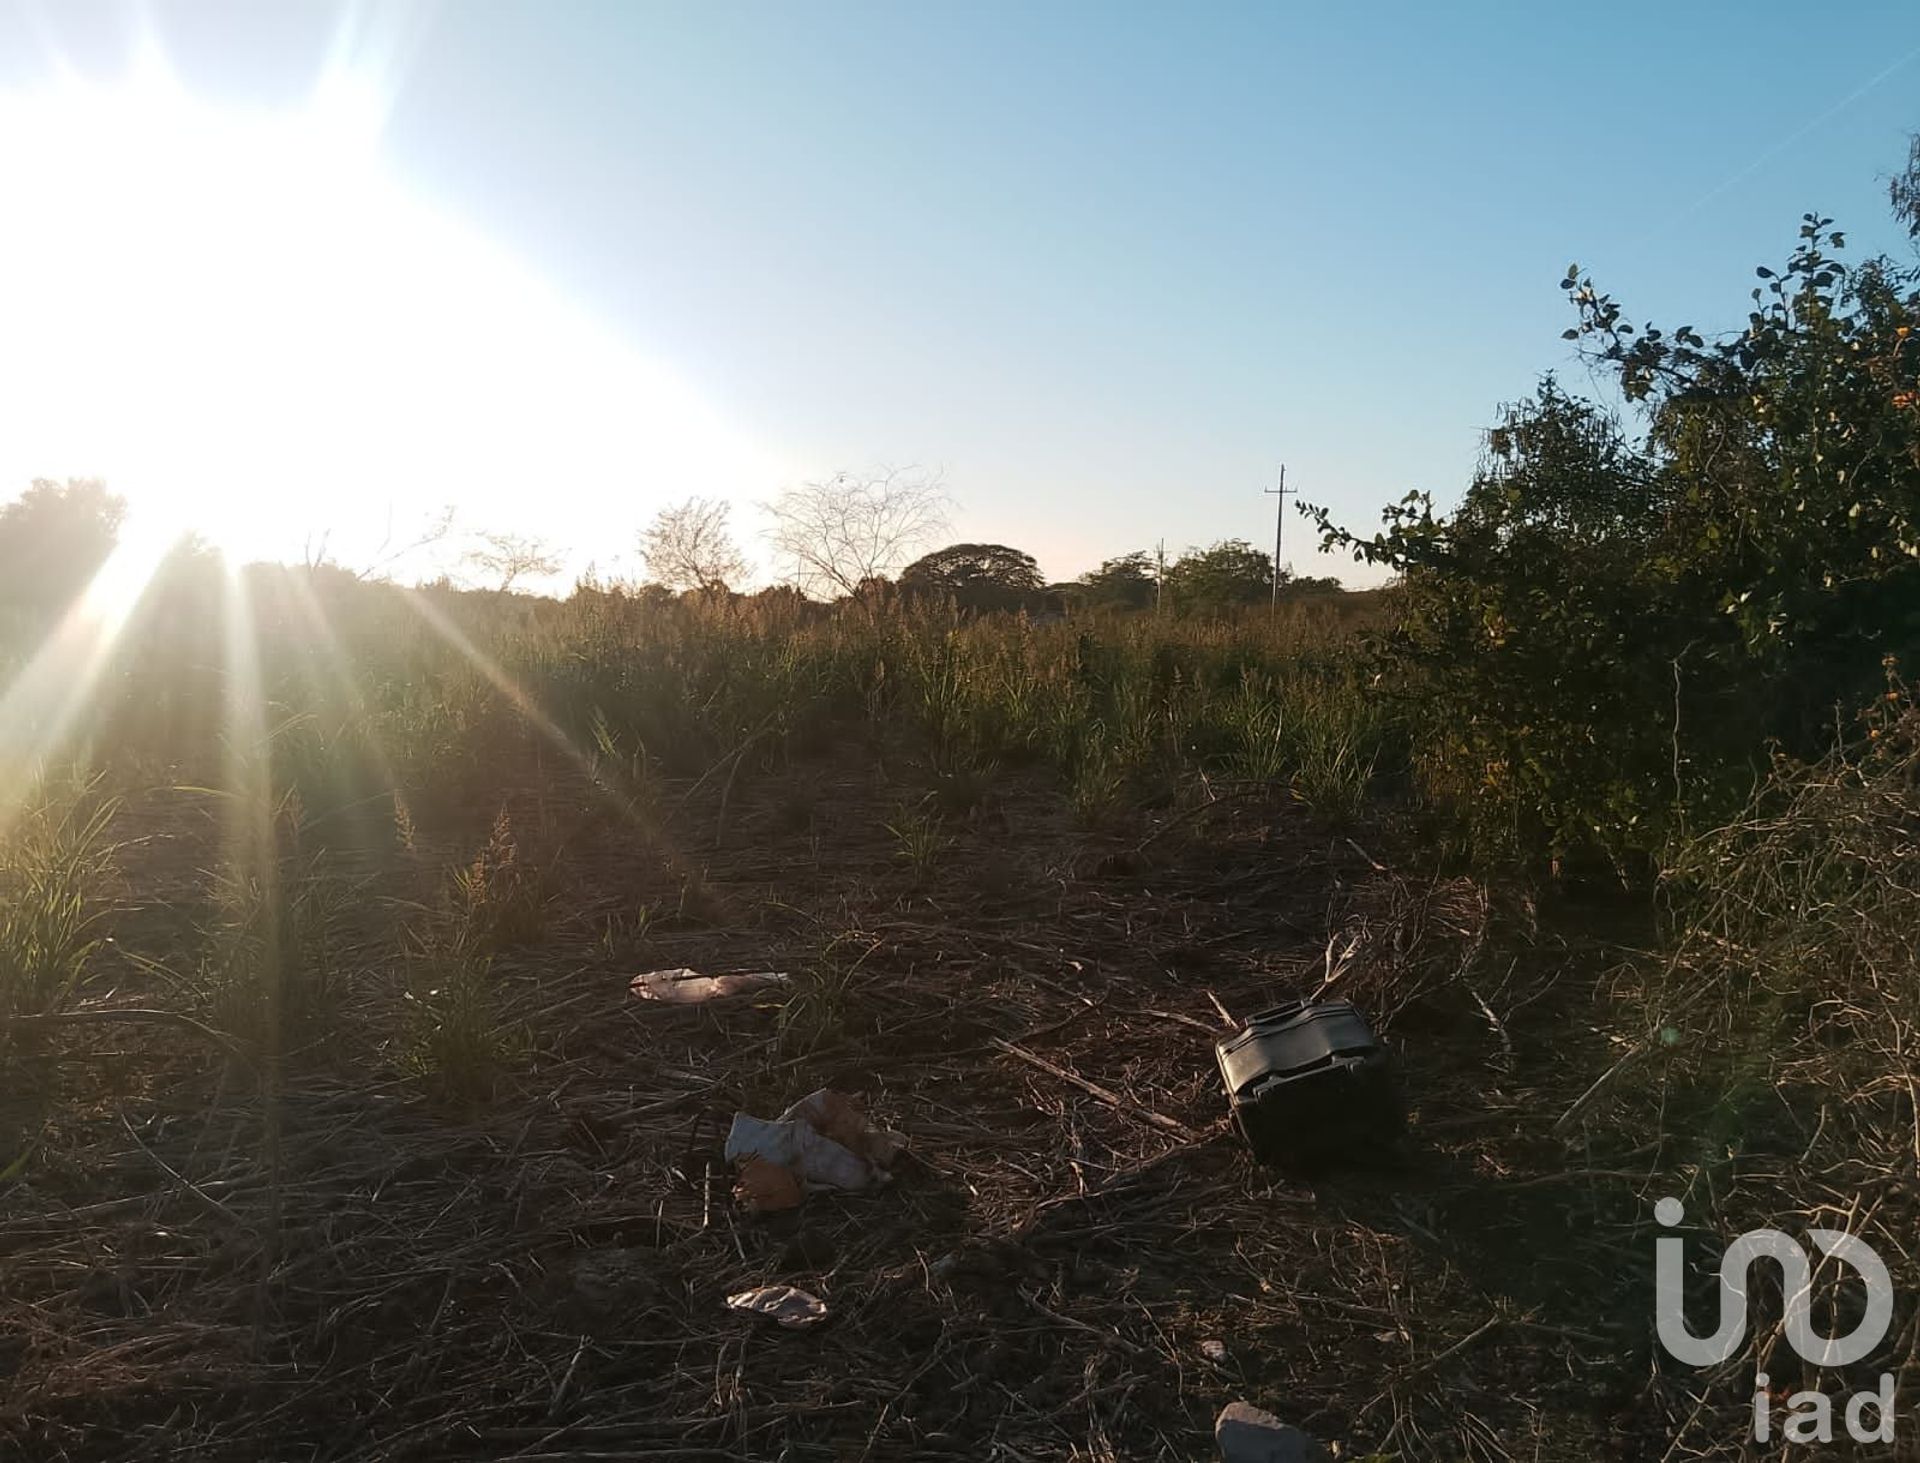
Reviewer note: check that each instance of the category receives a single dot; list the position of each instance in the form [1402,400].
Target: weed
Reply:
[813,1017]
[1256,718]
[498,901]
[54,863]
[921,840]
[455,1035]
[405,834]
[1337,738]
[1099,779]
[698,902]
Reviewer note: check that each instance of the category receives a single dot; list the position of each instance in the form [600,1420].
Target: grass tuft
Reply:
[55,861]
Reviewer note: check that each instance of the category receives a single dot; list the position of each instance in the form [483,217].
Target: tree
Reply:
[1614,626]
[53,538]
[508,557]
[1904,191]
[1229,573]
[1126,583]
[838,534]
[978,578]
[690,547]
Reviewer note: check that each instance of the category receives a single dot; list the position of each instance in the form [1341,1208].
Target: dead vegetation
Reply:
[219,1256]
[1775,1052]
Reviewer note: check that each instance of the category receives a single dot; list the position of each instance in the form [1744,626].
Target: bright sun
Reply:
[243,323]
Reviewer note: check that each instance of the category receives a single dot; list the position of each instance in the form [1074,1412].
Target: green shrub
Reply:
[1600,643]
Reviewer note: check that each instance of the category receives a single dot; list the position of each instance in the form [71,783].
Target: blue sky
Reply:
[1104,267]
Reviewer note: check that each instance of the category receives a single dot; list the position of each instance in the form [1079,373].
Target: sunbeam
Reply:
[42,706]
[336,668]
[619,799]
[437,621]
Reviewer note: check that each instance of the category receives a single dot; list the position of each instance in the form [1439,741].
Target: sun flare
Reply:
[252,330]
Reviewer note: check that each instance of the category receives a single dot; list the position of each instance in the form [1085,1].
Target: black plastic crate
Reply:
[1309,1083]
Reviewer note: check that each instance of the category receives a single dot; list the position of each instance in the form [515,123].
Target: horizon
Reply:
[325,271]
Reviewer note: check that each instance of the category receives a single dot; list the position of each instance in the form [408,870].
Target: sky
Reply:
[301,274]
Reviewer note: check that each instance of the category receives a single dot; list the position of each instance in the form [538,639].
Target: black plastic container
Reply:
[1310,1083]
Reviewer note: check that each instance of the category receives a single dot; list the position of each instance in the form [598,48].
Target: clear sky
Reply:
[295,270]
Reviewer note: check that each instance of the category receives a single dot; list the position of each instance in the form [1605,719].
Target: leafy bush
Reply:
[1221,577]
[1607,634]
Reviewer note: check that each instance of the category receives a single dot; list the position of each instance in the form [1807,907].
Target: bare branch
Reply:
[691,547]
[386,555]
[507,557]
[837,535]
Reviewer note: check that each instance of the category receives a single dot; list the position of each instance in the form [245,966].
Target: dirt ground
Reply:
[333,1263]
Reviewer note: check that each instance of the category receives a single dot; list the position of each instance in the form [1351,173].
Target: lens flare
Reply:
[245,322]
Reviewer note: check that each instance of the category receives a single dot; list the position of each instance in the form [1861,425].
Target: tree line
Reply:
[852,538]
[846,538]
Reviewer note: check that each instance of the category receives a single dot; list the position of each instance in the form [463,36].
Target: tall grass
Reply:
[400,720]
[55,863]
[377,690]
[273,967]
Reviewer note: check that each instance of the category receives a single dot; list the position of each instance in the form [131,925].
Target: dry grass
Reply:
[1773,1056]
[449,1190]
[361,1268]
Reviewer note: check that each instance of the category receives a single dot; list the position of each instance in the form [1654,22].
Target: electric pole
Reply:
[1279,494]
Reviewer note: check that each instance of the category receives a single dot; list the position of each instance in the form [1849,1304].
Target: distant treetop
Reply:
[976,577]
[52,539]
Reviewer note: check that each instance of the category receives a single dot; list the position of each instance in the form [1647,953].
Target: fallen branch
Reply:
[1599,1085]
[1094,1089]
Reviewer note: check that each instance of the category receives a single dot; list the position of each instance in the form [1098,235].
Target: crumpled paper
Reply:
[781,1303]
[822,1142]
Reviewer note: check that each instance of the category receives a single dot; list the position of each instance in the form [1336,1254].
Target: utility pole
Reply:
[1159,574]
[1279,494]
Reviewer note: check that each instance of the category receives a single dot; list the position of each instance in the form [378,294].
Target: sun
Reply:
[246,324]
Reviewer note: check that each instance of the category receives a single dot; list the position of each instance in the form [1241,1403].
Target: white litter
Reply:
[781,1303]
[823,1140]
[683,987]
